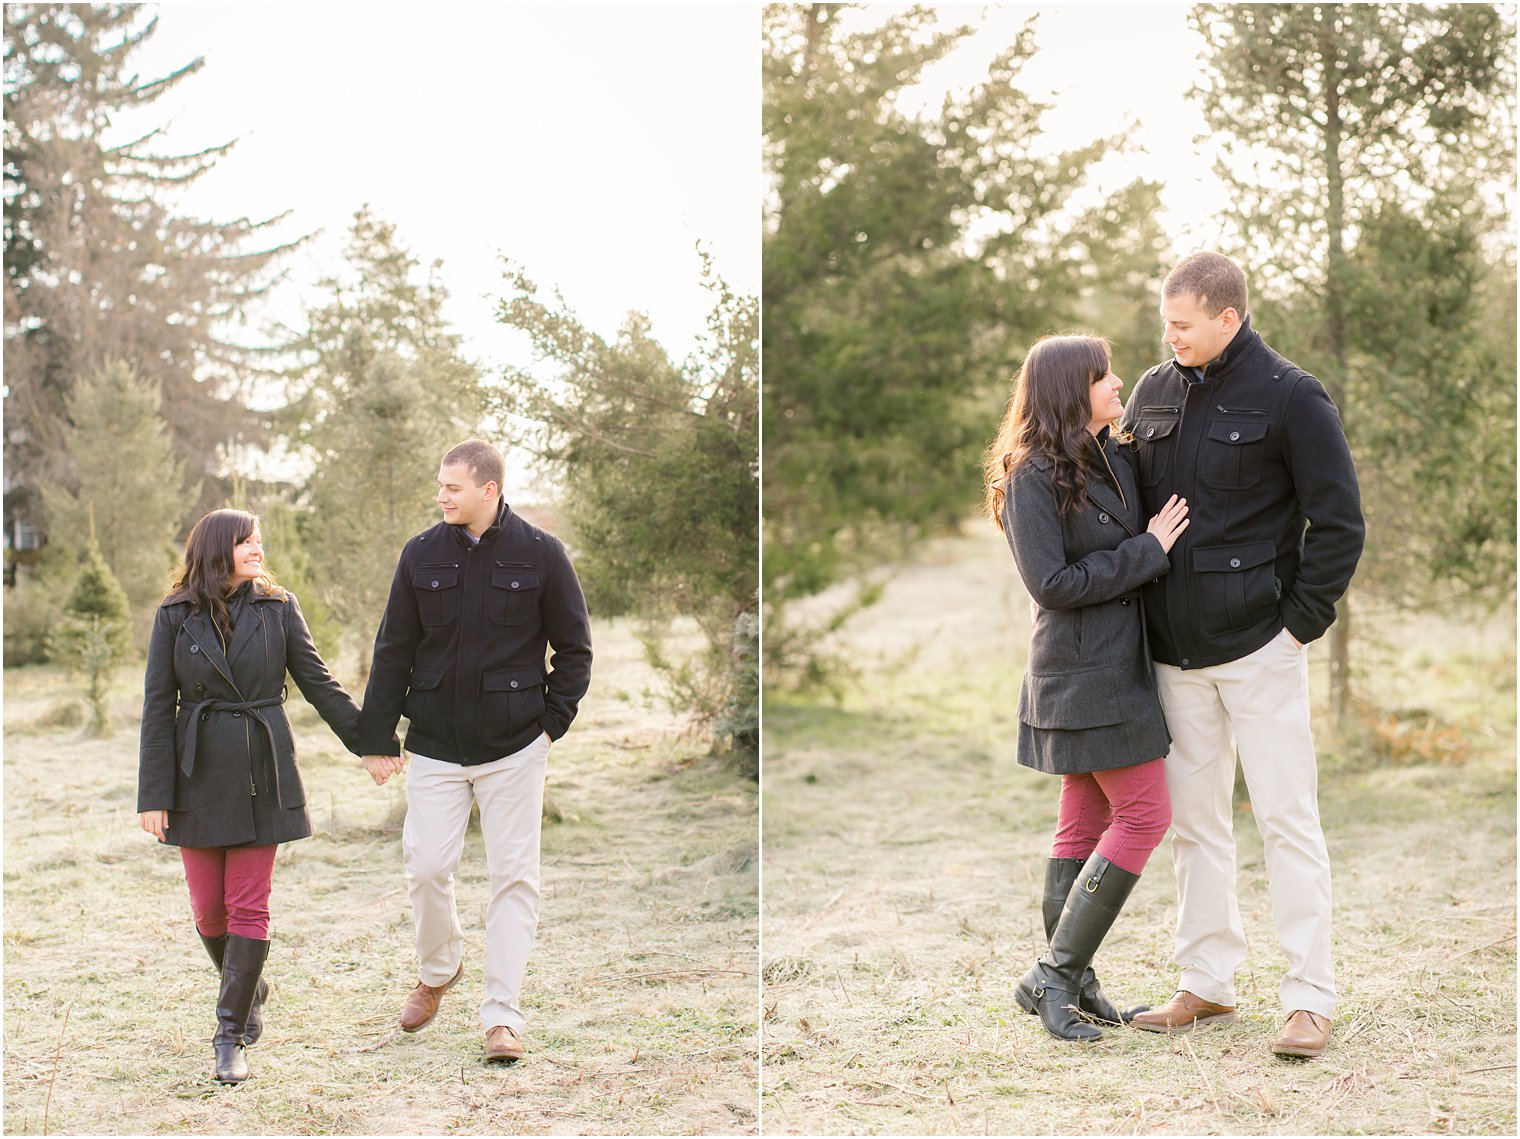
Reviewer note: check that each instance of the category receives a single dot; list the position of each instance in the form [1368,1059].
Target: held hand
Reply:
[382,767]
[1169,522]
[154,822]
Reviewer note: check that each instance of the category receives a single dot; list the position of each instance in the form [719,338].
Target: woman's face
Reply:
[1105,402]
[248,558]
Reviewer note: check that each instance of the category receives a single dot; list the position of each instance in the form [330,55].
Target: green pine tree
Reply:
[94,637]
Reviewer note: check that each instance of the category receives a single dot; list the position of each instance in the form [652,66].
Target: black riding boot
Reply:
[242,966]
[1060,874]
[1053,987]
[216,947]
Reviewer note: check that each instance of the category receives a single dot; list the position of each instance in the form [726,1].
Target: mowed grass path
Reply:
[903,861]
[641,993]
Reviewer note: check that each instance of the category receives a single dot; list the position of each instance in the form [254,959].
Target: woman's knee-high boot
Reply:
[1060,875]
[242,967]
[216,947]
[1053,987]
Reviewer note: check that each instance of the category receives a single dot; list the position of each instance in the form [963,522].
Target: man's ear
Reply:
[1230,317]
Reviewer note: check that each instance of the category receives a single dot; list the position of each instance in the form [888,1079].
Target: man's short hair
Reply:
[1214,279]
[483,461]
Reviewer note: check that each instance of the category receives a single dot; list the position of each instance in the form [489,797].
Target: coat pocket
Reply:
[1236,587]
[513,700]
[1232,455]
[513,596]
[437,590]
[1071,700]
[422,691]
[1155,440]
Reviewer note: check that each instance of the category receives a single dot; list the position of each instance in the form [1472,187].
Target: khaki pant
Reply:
[510,792]
[1263,700]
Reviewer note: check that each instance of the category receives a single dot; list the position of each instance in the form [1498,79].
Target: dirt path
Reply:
[904,856]
[640,993]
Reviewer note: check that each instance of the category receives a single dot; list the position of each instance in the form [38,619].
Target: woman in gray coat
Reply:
[1062,486]
[217,770]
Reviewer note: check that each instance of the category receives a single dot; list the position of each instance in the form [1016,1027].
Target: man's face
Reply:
[1195,337]
[464,502]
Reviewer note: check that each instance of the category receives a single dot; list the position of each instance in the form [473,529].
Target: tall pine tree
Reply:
[98,265]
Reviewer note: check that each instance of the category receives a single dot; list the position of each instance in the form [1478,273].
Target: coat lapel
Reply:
[249,623]
[198,626]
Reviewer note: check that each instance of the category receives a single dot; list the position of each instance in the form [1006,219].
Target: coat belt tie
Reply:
[252,708]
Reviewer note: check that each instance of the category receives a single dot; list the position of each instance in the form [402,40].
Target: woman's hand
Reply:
[154,822]
[1171,521]
[382,767]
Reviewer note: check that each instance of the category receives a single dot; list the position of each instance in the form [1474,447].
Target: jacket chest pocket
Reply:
[1155,439]
[1232,455]
[513,596]
[437,590]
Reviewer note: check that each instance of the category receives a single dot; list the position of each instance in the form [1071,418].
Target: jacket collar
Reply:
[503,514]
[1234,352]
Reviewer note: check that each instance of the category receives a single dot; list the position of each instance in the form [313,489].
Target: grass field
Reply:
[903,862]
[640,993]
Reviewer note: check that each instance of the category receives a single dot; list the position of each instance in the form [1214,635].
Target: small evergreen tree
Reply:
[94,636]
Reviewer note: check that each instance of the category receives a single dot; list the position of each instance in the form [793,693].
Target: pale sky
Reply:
[594,144]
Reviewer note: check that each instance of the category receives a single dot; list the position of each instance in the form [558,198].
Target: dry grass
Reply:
[640,993]
[904,856]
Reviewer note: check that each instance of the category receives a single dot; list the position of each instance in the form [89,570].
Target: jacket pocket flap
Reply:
[1084,699]
[431,579]
[1230,559]
[522,680]
[1237,433]
[1149,430]
[515,579]
[425,681]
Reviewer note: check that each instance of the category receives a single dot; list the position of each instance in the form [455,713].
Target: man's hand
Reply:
[154,822]
[382,767]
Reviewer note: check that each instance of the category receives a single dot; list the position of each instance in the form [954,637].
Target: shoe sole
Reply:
[1202,1024]
[445,988]
[1296,1052]
[503,1058]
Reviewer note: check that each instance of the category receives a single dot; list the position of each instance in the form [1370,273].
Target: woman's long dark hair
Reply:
[205,580]
[1047,416]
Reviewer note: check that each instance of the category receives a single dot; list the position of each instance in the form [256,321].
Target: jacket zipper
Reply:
[1240,410]
[253,789]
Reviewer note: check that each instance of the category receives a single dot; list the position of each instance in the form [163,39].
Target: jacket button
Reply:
[514,585]
[1103,518]
[200,688]
[237,714]
[195,648]
[1234,436]
[1234,563]
[1124,601]
[435,585]
[1185,660]
[1150,432]
[514,684]
[205,716]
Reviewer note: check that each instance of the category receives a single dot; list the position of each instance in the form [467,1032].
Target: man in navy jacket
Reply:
[1255,445]
[476,602]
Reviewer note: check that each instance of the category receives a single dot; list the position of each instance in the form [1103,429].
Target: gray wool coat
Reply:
[1088,700]
[217,751]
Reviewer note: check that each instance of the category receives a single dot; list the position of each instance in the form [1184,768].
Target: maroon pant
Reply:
[229,888]
[1122,814]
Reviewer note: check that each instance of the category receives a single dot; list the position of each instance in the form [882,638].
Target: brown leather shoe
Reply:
[422,1002]
[502,1043]
[1306,1034]
[1184,1013]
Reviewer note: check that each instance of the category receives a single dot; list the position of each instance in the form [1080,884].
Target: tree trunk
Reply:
[1335,274]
